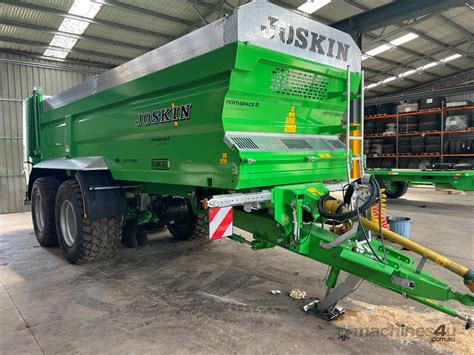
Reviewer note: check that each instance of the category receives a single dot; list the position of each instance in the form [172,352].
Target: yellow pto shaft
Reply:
[439,259]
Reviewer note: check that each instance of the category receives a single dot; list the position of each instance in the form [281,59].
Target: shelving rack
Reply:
[442,132]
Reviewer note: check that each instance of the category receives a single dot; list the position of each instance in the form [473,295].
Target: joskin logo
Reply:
[174,113]
[305,39]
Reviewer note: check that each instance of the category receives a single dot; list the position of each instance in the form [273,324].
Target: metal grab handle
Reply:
[348,125]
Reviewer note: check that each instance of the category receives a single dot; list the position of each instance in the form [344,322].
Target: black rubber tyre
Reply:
[452,147]
[470,147]
[403,141]
[386,163]
[417,141]
[395,189]
[129,235]
[458,147]
[403,163]
[184,228]
[433,148]
[446,147]
[411,127]
[83,240]
[376,163]
[413,164]
[430,118]
[404,149]
[43,198]
[433,140]
[428,126]
[376,141]
[416,149]
[388,148]
[408,120]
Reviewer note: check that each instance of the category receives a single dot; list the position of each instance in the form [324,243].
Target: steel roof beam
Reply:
[429,55]
[72,35]
[394,12]
[73,50]
[454,25]
[408,28]
[115,25]
[380,72]
[141,11]
[418,95]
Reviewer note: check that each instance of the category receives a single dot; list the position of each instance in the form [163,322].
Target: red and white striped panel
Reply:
[220,222]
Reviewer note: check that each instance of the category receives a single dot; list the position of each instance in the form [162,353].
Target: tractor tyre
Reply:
[395,189]
[83,239]
[43,197]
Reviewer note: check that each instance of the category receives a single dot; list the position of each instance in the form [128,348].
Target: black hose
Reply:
[344,216]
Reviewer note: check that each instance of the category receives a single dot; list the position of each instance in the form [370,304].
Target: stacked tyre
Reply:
[404,145]
[431,122]
[369,128]
[433,144]
[459,146]
[407,124]
[417,145]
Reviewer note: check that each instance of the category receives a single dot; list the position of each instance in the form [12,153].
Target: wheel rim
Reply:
[68,223]
[391,187]
[39,218]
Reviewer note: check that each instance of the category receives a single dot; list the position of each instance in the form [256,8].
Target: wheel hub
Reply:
[39,218]
[68,223]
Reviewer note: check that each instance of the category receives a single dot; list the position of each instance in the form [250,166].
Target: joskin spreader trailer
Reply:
[233,125]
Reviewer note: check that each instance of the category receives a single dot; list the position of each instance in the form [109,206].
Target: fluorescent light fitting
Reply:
[55,53]
[403,39]
[364,57]
[73,26]
[378,50]
[370,86]
[451,57]
[407,73]
[63,41]
[312,6]
[392,78]
[84,8]
[429,65]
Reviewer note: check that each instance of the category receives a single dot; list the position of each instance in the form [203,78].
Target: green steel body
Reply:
[230,90]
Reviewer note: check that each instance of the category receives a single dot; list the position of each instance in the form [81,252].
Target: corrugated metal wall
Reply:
[18,75]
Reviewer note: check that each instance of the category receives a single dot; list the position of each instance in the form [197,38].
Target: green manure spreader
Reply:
[234,125]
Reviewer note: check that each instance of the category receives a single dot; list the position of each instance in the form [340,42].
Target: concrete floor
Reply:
[199,296]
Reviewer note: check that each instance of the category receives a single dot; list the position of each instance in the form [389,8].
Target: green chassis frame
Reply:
[458,180]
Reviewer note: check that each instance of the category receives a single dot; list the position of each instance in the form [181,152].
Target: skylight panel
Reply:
[84,8]
[311,6]
[55,53]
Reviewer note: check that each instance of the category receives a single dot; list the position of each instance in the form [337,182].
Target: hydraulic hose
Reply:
[466,273]
[330,208]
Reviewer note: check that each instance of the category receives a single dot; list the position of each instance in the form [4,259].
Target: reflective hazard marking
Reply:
[220,222]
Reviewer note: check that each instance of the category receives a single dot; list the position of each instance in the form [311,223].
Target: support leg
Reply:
[326,308]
